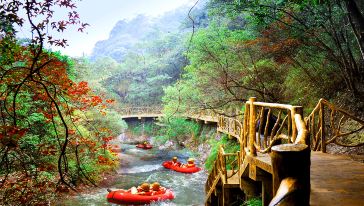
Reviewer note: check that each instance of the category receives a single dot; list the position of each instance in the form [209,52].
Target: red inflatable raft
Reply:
[169,165]
[142,146]
[124,197]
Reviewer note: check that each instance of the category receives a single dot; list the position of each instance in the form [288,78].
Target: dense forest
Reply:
[59,113]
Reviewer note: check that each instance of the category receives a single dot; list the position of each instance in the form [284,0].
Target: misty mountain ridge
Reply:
[127,33]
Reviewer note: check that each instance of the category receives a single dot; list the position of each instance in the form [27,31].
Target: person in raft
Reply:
[145,143]
[175,162]
[143,189]
[157,189]
[190,163]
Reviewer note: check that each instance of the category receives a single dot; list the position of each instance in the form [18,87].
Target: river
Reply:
[138,166]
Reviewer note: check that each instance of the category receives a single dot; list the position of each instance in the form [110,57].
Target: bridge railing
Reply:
[329,124]
[140,110]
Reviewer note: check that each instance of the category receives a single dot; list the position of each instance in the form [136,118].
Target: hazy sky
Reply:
[102,15]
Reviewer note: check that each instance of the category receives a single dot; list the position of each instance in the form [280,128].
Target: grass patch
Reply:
[253,202]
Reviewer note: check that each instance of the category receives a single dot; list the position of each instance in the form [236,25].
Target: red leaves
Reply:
[80,89]
[110,101]
[71,131]
[107,139]
[13,132]
[277,41]
[95,100]
[11,135]
[104,160]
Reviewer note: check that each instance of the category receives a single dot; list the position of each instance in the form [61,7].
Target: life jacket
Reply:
[176,163]
[141,192]
[191,165]
[161,191]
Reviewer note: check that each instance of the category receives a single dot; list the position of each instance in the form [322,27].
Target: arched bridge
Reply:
[282,155]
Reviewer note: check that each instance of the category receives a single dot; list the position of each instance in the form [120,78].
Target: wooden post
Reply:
[294,127]
[245,129]
[322,120]
[266,191]
[291,174]
[302,133]
[252,117]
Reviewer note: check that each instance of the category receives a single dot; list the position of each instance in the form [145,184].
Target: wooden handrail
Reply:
[326,125]
[220,171]
[262,129]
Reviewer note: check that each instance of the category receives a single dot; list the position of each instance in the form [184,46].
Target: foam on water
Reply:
[138,169]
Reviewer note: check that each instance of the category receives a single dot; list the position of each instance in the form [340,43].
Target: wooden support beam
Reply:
[253,172]
[267,191]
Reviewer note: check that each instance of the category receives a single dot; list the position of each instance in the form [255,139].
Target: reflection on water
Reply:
[138,166]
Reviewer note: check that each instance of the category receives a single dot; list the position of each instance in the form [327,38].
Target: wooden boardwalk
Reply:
[336,180]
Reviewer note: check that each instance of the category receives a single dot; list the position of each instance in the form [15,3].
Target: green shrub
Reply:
[230,146]
[178,127]
[253,202]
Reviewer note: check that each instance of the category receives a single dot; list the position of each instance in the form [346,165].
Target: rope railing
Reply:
[329,124]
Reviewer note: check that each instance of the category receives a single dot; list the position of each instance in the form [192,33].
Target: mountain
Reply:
[127,34]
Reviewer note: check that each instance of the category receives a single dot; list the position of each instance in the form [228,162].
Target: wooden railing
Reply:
[268,124]
[213,178]
[230,126]
[225,166]
[329,124]
[264,125]
[140,110]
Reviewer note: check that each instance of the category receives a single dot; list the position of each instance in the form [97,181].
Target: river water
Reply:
[138,166]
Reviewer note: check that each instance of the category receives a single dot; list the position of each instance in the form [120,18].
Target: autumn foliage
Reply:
[47,141]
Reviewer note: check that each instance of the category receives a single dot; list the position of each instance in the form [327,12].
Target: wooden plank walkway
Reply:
[232,182]
[336,180]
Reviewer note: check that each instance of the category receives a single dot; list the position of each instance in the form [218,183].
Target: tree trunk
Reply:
[356,19]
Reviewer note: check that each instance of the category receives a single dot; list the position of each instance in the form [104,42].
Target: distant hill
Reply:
[126,34]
